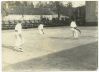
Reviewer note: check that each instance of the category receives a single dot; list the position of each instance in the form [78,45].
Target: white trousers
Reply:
[18,40]
[75,33]
[41,31]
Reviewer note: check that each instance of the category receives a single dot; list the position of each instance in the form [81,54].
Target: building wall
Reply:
[91,12]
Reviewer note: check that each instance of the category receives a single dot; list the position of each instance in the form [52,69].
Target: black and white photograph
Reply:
[49,36]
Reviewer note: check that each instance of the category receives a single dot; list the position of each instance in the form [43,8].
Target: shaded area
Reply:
[7,46]
[10,47]
[72,38]
[83,57]
[61,38]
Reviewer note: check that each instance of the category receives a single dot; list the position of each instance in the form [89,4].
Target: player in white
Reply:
[40,28]
[18,36]
[74,29]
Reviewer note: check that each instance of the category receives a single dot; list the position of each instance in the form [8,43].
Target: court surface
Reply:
[56,50]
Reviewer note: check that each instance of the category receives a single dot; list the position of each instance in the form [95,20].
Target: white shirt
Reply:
[40,26]
[18,28]
[73,24]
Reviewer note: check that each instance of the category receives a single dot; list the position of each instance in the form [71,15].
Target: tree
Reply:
[25,3]
[58,9]
[4,8]
[17,3]
[69,4]
[40,4]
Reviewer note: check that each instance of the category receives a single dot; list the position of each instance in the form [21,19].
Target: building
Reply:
[92,13]
[14,11]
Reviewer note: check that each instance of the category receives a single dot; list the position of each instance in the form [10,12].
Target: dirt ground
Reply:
[56,50]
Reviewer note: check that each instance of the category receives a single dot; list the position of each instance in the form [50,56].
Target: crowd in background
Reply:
[34,23]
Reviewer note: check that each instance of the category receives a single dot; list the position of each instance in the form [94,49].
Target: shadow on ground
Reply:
[71,38]
[80,58]
[62,38]
[10,47]
[7,46]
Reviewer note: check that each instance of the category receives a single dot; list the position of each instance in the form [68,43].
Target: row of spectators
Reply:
[43,20]
[31,23]
[34,23]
